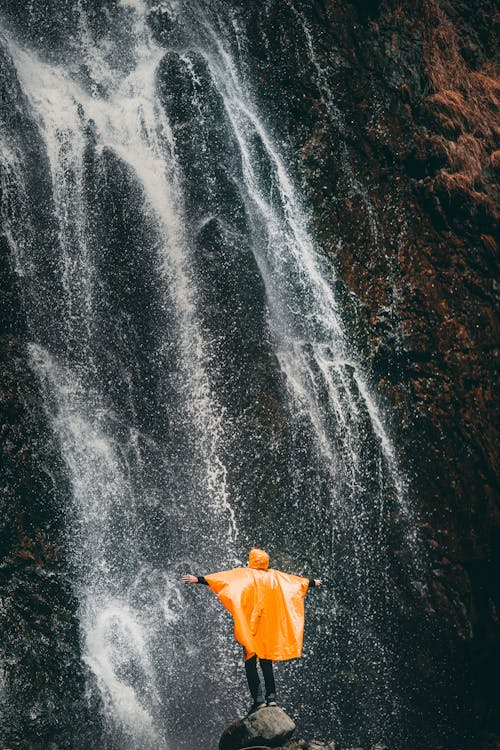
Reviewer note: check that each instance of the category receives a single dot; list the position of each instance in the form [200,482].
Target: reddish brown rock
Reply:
[424,143]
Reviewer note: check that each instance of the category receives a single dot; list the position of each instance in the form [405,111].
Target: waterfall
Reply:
[197,376]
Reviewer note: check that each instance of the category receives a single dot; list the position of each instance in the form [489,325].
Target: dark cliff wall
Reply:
[422,97]
[411,89]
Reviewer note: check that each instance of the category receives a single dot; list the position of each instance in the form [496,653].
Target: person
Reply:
[268,610]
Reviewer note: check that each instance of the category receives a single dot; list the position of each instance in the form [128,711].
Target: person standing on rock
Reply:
[268,610]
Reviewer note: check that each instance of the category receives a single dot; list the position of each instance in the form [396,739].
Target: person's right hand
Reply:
[318,582]
[188,578]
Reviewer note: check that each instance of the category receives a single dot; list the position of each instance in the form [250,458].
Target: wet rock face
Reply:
[391,120]
[427,295]
[404,203]
[411,235]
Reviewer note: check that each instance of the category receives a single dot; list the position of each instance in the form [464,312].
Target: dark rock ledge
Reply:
[272,728]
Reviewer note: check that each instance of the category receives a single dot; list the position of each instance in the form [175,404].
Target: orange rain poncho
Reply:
[267,606]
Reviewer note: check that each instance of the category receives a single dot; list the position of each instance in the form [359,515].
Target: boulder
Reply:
[310,745]
[269,727]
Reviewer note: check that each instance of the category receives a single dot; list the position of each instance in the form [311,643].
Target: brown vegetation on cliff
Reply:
[464,106]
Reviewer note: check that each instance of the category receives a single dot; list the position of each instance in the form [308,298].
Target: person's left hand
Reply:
[318,582]
[188,578]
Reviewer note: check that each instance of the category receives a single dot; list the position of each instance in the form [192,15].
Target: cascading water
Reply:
[198,379]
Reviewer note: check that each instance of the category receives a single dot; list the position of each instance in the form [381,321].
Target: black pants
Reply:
[254,681]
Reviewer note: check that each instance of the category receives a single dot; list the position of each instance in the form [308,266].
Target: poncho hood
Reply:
[258,559]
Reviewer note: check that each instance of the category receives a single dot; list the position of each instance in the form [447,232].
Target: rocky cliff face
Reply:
[412,92]
[423,119]
[390,115]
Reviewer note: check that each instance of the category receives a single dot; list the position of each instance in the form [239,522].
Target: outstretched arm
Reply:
[188,578]
[315,583]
